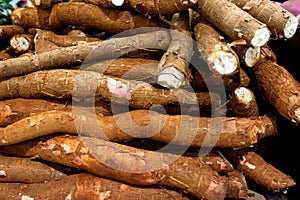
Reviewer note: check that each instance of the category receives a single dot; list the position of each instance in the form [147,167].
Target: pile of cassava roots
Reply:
[144,99]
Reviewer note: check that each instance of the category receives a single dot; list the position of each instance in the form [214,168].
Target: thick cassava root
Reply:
[145,168]
[145,7]
[277,85]
[83,186]
[234,22]
[280,21]
[84,85]
[62,14]
[7,31]
[246,131]
[24,170]
[257,169]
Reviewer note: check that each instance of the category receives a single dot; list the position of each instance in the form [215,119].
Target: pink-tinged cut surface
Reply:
[292,6]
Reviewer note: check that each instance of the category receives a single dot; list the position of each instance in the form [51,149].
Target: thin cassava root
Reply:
[77,54]
[174,65]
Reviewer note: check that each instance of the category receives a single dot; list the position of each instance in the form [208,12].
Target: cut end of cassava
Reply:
[36,2]
[296,117]
[170,78]
[261,37]
[21,44]
[291,27]
[118,2]
[244,95]
[252,55]
[224,63]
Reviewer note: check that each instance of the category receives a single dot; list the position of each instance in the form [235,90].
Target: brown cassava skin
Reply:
[145,7]
[45,4]
[75,13]
[128,68]
[77,54]
[24,170]
[161,7]
[263,173]
[83,85]
[41,45]
[4,55]
[277,86]
[238,187]
[236,132]
[214,159]
[128,164]
[230,19]
[63,40]
[180,50]
[266,11]
[7,31]
[84,186]
[210,42]
[12,110]
[217,163]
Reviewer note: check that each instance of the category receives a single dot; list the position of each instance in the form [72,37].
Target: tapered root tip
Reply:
[224,63]
[252,55]
[170,78]
[291,27]
[261,37]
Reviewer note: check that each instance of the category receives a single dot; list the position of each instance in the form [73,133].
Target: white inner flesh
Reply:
[244,94]
[290,27]
[22,43]
[118,2]
[170,78]
[297,114]
[261,37]
[224,63]
[252,56]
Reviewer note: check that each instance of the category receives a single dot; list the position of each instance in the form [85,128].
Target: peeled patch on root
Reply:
[26,198]
[243,161]
[118,88]
[104,195]
[2,173]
